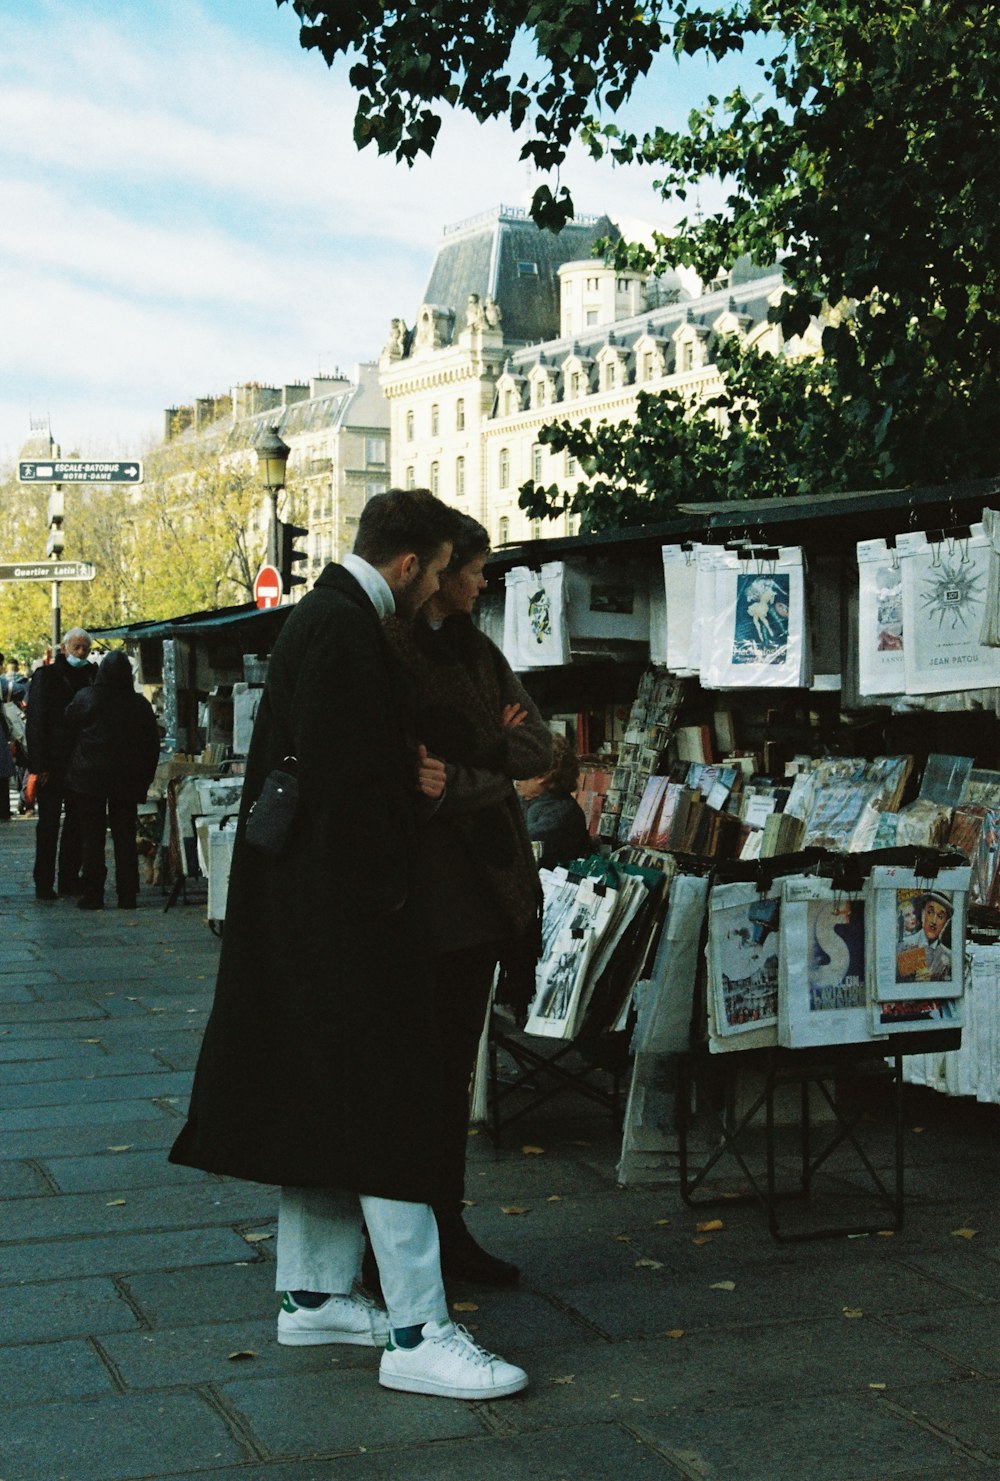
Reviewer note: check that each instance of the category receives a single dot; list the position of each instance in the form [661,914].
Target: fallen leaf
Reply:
[468,1203]
[649,1264]
[568,1379]
[702,1239]
[473,1131]
[116,1203]
[624,1238]
[723,1285]
[965,1233]
[663,1223]
[886,1233]
[637,1401]
[675,1332]
[554,1198]
[533,1151]
[708,1225]
[127,1147]
[464,1306]
[241,1354]
[917,1130]
[512,1208]
[877,1385]
[257,1238]
[90,1041]
[852,1311]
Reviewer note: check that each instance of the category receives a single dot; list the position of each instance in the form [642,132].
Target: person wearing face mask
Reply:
[476,882]
[49,743]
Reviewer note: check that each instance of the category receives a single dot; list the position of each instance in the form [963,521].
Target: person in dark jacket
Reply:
[53,686]
[477,884]
[116,745]
[552,815]
[318,1067]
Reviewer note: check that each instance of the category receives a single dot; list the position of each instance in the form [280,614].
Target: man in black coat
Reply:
[53,686]
[116,745]
[317,1070]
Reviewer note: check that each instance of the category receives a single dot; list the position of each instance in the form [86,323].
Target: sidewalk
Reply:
[137,1327]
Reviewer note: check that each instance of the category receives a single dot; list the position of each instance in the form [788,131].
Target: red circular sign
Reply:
[267,587]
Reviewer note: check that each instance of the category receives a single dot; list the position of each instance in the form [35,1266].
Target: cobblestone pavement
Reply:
[138,1303]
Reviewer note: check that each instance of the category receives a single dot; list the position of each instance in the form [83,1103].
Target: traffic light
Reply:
[288,556]
[55,544]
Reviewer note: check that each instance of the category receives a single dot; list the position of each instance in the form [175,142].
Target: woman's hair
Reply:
[565,770]
[469,540]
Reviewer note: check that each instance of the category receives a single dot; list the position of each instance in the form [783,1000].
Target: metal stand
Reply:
[805,1068]
[544,1076]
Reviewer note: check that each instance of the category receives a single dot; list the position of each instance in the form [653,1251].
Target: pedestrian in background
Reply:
[553,817]
[115,749]
[53,686]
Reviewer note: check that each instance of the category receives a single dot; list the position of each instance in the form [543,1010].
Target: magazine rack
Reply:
[805,1068]
[543,1075]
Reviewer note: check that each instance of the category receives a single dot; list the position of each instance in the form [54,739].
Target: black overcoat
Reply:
[318,1063]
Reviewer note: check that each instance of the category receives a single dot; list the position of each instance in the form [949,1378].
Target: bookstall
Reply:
[804,748]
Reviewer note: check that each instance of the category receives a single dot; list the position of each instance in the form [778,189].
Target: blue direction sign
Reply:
[73,470]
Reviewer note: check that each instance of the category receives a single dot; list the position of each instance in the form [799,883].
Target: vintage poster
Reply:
[822,988]
[916,933]
[755,635]
[944,600]
[743,932]
[880,619]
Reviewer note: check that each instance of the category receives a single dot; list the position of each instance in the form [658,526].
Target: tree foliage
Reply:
[866,164]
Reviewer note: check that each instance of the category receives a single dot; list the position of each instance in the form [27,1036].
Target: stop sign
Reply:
[267,587]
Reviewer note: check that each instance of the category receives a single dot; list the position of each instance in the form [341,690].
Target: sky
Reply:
[182,209]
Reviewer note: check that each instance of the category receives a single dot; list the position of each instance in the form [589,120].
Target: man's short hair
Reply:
[403,522]
[77,632]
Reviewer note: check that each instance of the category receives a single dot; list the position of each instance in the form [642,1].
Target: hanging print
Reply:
[880,619]
[944,598]
[760,631]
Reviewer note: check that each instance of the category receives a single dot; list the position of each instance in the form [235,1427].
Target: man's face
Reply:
[423,583]
[935,919]
[78,646]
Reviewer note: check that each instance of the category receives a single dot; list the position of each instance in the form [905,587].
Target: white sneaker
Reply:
[354,1319]
[449,1363]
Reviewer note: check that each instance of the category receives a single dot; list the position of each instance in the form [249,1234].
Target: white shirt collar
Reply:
[372,583]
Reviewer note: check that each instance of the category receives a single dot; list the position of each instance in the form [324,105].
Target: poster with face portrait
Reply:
[822,991]
[916,936]
[754,633]
[945,584]
[880,619]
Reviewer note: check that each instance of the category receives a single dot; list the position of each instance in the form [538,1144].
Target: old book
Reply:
[643,824]
[891,774]
[661,834]
[982,788]
[693,743]
[944,779]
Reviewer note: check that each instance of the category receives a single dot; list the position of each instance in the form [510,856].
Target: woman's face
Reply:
[459,589]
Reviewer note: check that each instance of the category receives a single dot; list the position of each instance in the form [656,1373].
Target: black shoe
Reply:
[463,1259]
[45,894]
[71,887]
[128,902]
[89,902]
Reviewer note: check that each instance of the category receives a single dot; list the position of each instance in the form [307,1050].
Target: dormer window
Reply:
[527,269]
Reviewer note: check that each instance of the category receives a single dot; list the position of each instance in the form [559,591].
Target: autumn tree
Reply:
[864,162]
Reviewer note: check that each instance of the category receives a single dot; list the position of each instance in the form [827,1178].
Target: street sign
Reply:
[48,571]
[267,587]
[73,470]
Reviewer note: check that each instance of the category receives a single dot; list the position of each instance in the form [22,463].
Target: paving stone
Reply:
[47,1310]
[119,1170]
[341,1409]
[119,1254]
[158,1130]
[50,1370]
[969,1410]
[104,1113]
[202,1204]
[829,1439]
[203,1351]
[240,1290]
[82,1062]
[11,992]
[114,1438]
[19,1180]
[93,1091]
[965,1332]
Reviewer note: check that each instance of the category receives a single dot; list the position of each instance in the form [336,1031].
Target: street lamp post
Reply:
[272,459]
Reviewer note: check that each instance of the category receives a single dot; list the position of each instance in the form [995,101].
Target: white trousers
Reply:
[321,1244]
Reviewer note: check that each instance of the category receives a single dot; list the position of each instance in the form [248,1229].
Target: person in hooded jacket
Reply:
[115,750]
[53,687]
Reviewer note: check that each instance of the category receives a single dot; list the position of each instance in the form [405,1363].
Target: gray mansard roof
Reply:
[502,254]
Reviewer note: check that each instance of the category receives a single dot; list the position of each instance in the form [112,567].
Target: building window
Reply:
[623,285]
[576,383]
[504,529]
[570,466]
[374,449]
[504,479]
[536,463]
[591,316]
[611,373]
[527,269]
[459,476]
[460,414]
[409,426]
[435,478]
[373,487]
[687,356]
[536,529]
[592,285]
[435,420]
[409,479]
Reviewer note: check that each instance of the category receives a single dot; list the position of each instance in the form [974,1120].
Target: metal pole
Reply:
[272,534]
[56,619]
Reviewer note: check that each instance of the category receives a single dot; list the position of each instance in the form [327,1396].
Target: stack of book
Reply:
[651,725]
